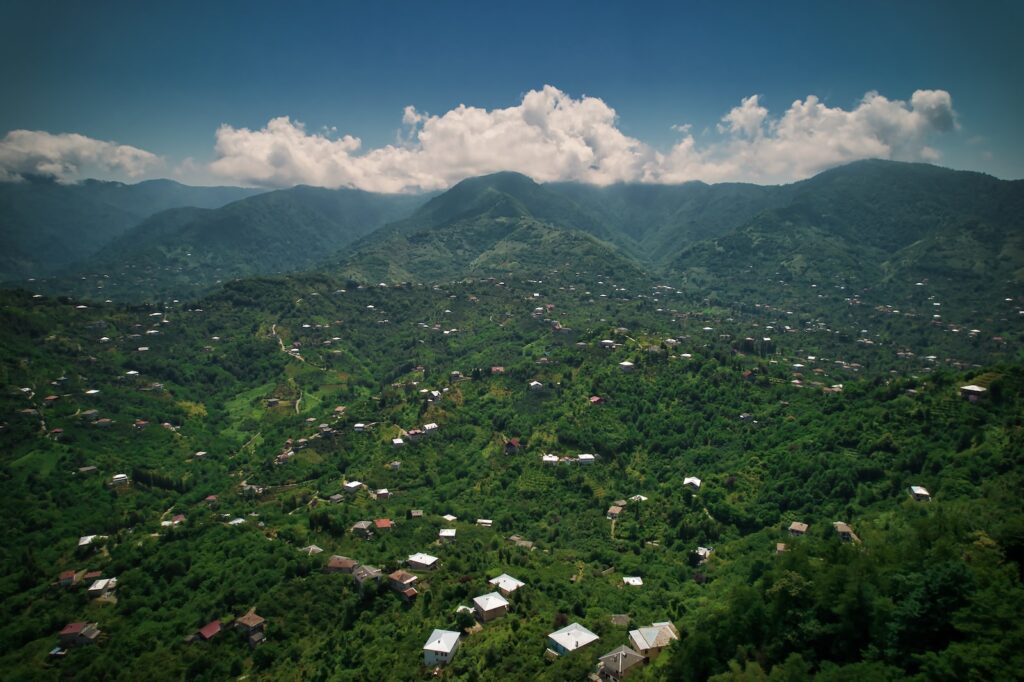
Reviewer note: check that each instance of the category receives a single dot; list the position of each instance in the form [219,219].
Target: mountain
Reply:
[491,225]
[179,251]
[45,225]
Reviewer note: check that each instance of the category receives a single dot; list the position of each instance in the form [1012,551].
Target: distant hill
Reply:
[44,225]
[183,250]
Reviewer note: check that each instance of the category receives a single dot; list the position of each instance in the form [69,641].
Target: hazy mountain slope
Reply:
[45,225]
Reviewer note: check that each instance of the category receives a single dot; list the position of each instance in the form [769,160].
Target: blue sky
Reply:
[163,78]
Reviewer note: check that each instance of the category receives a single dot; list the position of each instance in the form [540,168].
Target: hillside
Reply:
[45,226]
[239,419]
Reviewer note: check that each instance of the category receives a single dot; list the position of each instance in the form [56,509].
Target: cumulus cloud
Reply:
[69,156]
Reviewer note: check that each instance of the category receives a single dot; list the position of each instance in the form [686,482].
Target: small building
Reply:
[450,518]
[626,366]
[119,479]
[440,647]
[397,442]
[335,498]
[549,459]
[429,429]
[78,634]
[973,392]
[102,587]
[363,529]
[490,606]
[506,584]
[486,523]
[250,623]
[87,471]
[364,574]
[421,562]
[67,578]
[353,486]
[586,458]
[513,446]
[210,630]
[570,638]
[415,514]
[383,524]
[920,494]
[846,533]
[692,482]
[618,663]
[797,528]
[400,580]
[446,535]
[651,640]
[614,511]
[311,550]
[341,564]
[633,581]
[395,465]
[703,554]
[382,494]
[536,386]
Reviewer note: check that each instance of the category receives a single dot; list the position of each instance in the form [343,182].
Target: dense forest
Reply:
[258,425]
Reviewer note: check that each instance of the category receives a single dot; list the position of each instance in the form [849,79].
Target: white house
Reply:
[119,479]
[704,553]
[353,486]
[692,482]
[421,562]
[536,385]
[633,581]
[586,459]
[430,428]
[440,647]
[506,584]
[397,442]
[102,587]
[490,606]
[446,534]
[626,366]
[920,494]
[570,638]
[549,459]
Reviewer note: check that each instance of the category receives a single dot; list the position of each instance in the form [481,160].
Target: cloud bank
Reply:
[549,135]
[68,157]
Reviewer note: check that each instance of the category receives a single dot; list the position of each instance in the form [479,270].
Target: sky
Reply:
[401,96]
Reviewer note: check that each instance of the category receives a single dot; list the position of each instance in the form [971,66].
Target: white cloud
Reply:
[69,156]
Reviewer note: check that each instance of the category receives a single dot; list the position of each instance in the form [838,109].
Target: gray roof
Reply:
[621,659]
[443,641]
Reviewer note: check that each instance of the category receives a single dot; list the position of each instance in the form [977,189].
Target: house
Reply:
[415,513]
[67,578]
[450,518]
[363,529]
[102,587]
[570,638]
[250,623]
[382,494]
[703,554]
[596,400]
[440,647]
[586,458]
[421,562]
[490,606]
[618,663]
[210,630]
[359,426]
[512,446]
[395,465]
[383,524]
[90,576]
[846,533]
[638,498]
[797,528]
[341,564]
[486,523]
[973,393]
[400,581]
[692,482]
[497,370]
[649,641]
[506,584]
[606,343]
[414,434]
[78,634]
[119,479]
[626,366]
[87,471]
[430,428]
[353,486]
[549,459]
[364,574]
[311,550]
[632,581]
[614,511]
[920,494]
[335,498]
[397,442]
[536,386]
[446,535]
[780,547]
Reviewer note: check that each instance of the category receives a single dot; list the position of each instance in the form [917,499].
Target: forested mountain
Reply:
[45,225]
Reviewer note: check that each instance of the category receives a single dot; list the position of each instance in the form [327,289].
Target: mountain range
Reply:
[876,225]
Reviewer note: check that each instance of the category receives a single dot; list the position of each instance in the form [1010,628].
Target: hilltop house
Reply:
[570,638]
[626,366]
[549,459]
[383,524]
[210,630]
[78,634]
[846,533]
[363,529]
[490,606]
[440,647]
[364,574]
[692,482]
[102,587]
[586,458]
[618,663]
[252,626]
[797,528]
[614,511]
[341,564]
[353,486]
[973,393]
[404,584]
[920,494]
[506,584]
[649,641]
[421,562]
[446,535]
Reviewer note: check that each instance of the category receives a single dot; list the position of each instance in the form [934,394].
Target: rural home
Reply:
[78,634]
[400,580]
[364,574]
[920,494]
[797,528]
[506,584]
[446,535]
[973,393]
[490,606]
[846,533]
[210,630]
[421,562]
[363,528]
[692,482]
[626,366]
[341,564]
[633,581]
[440,647]
[618,663]
[586,458]
[650,640]
[102,587]
[614,511]
[383,524]
[353,486]
[570,638]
